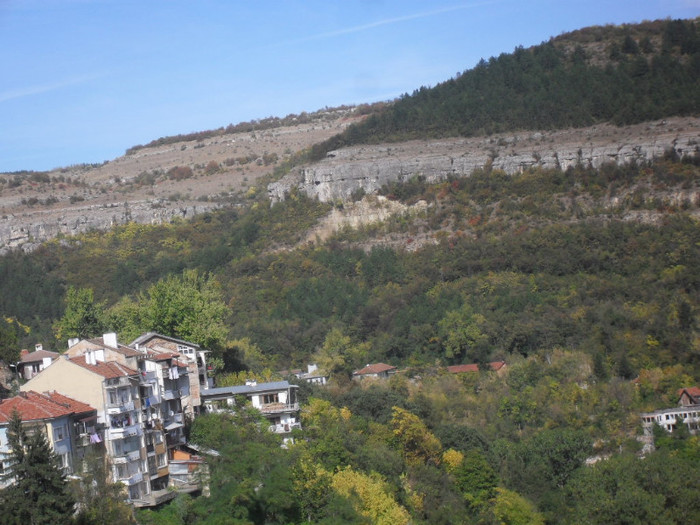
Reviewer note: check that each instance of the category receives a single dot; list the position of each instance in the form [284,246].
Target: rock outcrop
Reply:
[368,168]
[28,231]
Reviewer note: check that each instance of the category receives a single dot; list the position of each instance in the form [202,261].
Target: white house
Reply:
[276,400]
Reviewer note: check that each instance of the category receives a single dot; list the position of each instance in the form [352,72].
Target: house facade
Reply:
[70,427]
[276,400]
[191,354]
[31,363]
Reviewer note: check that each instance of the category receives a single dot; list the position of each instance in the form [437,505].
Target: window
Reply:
[270,398]
[112,397]
[59,433]
[161,460]
[63,462]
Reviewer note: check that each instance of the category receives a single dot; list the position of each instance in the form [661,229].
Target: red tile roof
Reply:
[163,356]
[376,368]
[107,369]
[37,355]
[461,369]
[693,391]
[34,406]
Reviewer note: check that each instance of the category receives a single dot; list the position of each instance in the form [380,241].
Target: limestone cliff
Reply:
[368,168]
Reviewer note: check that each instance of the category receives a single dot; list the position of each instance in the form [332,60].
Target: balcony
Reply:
[171,394]
[173,440]
[127,406]
[147,378]
[125,432]
[277,408]
[86,440]
[156,497]
[136,478]
[284,428]
[126,452]
[174,421]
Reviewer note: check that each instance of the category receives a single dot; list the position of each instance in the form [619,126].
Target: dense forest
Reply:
[624,75]
[585,281]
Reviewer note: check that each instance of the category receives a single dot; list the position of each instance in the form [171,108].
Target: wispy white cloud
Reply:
[395,20]
[28,91]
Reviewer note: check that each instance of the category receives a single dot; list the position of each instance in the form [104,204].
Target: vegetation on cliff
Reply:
[623,75]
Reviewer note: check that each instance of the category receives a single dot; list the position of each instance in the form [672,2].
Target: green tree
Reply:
[476,479]
[462,335]
[9,350]
[188,306]
[416,442]
[39,493]
[510,508]
[99,500]
[83,318]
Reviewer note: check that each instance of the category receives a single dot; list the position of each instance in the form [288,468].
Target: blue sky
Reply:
[83,80]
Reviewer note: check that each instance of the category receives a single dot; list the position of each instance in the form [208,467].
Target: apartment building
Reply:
[69,425]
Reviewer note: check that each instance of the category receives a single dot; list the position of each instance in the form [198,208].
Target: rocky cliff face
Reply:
[138,187]
[27,231]
[368,168]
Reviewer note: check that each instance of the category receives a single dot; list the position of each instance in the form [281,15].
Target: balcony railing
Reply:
[85,440]
[174,421]
[118,408]
[171,394]
[136,478]
[274,408]
[148,377]
[121,433]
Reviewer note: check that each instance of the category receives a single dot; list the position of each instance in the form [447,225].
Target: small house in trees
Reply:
[313,375]
[276,400]
[689,396]
[686,413]
[375,371]
[70,426]
[31,363]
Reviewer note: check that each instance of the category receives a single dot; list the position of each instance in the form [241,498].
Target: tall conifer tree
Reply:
[38,494]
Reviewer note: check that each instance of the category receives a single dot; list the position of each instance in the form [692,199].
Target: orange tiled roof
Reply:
[33,406]
[376,368]
[693,391]
[107,369]
[462,369]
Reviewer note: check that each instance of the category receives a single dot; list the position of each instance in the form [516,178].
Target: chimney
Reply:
[73,341]
[90,357]
[38,347]
[251,382]
[311,368]
[110,339]
[24,352]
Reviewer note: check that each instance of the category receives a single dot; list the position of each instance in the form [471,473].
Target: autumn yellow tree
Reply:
[413,438]
[369,496]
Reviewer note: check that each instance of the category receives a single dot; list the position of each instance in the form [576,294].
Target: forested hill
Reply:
[620,74]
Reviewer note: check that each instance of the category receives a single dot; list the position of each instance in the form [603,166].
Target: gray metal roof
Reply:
[246,389]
